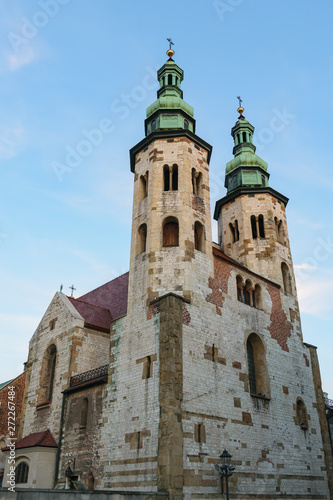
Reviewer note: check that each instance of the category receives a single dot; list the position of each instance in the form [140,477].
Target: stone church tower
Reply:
[144,381]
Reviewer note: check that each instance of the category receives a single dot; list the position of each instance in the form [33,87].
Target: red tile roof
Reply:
[104,304]
[94,316]
[43,438]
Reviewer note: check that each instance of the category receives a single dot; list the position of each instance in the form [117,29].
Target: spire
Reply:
[247,169]
[169,111]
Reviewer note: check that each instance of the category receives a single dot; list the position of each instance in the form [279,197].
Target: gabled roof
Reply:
[43,438]
[94,316]
[104,304]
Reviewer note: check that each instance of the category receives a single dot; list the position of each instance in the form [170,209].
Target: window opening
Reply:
[261,226]
[171,232]
[21,473]
[175,178]
[251,368]
[254,227]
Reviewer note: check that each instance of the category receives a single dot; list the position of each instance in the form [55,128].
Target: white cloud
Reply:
[304,266]
[17,60]
[315,294]
[11,140]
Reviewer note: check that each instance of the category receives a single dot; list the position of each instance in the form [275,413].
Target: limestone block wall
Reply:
[77,350]
[272,454]
[166,268]
[131,407]
[262,255]
[41,463]
[81,438]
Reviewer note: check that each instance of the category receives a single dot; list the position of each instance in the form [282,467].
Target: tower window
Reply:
[21,473]
[261,226]
[174,177]
[263,180]
[286,278]
[244,137]
[169,79]
[197,182]
[234,231]
[186,124]
[254,227]
[153,125]
[199,236]
[279,230]
[171,232]
[141,239]
[143,186]
[84,413]
[166,174]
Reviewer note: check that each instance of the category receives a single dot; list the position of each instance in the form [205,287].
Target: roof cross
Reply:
[72,288]
[171,42]
[240,101]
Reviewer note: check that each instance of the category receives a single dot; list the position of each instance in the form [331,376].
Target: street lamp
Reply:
[226,470]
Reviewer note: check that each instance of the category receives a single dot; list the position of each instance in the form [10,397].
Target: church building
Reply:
[140,384]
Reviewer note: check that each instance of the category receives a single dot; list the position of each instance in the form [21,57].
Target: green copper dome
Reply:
[246,169]
[169,111]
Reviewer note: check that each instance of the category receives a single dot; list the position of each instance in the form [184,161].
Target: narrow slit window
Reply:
[261,226]
[175,178]
[233,233]
[254,227]
[166,174]
[169,79]
[186,124]
[251,368]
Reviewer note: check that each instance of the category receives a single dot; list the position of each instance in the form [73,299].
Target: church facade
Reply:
[144,381]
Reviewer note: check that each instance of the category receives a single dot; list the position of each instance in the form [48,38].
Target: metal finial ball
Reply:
[170,53]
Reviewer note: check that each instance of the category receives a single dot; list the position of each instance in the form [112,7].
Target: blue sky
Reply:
[68,67]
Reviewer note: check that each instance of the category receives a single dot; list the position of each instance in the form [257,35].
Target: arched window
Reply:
[254,227]
[286,278]
[261,226]
[199,237]
[279,230]
[84,413]
[302,414]
[141,239]
[186,124]
[244,137]
[171,232]
[197,182]
[248,293]
[169,79]
[263,180]
[234,231]
[174,177]
[47,374]
[21,473]
[239,283]
[251,368]
[257,299]
[143,186]
[166,174]
[257,367]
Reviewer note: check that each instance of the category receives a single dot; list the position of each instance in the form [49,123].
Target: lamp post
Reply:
[226,470]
